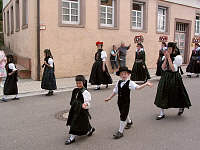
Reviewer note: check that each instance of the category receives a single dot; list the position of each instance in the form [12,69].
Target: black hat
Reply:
[121,69]
[171,44]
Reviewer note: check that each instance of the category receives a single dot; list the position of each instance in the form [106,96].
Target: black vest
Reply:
[98,55]
[123,93]
[77,95]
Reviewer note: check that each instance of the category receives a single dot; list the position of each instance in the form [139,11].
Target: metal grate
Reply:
[181,27]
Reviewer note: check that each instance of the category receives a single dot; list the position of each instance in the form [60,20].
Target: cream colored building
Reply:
[70,29]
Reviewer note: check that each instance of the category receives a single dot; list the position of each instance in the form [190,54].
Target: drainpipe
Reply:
[38,40]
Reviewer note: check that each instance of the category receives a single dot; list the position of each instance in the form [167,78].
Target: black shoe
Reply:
[4,100]
[69,141]
[50,93]
[91,132]
[189,76]
[128,125]
[118,135]
[106,85]
[15,98]
[180,111]
[197,75]
[97,88]
[160,117]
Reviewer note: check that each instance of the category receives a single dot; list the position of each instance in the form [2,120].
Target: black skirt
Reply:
[48,79]
[193,67]
[171,92]
[10,85]
[159,68]
[140,72]
[97,76]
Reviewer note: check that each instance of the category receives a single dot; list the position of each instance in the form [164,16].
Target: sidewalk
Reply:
[29,87]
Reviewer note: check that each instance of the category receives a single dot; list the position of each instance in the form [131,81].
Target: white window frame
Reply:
[113,14]
[142,16]
[164,18]
[70,15]
[196,22]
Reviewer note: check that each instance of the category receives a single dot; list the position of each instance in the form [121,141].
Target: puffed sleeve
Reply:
[177,62]
[50,62]
[133,85]
[103,56]
[87,98]
[115,90]
[12,67]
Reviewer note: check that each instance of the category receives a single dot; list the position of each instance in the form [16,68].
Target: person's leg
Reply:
[162,115]
[180,112]
[16,97]
[97,87]
[4,98]
[112,65]
[71,139]
[129,122]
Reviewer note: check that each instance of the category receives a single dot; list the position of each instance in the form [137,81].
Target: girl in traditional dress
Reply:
[78,119]
[139,70]
[160,59]
[2,66]
[194,64]
[171,92]
[99,74]
[10,85]
[48,79]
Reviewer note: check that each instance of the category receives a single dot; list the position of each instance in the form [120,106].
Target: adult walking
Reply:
[122,54]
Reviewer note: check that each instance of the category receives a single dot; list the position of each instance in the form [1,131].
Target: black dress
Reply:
[171,92]
[159,63]
[139,70]
[10,85]
[194,66]
[97,76]
[48,78]
[78,118]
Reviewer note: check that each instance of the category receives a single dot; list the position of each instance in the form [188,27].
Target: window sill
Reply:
[72,25]
[139,30]
[165,33]
[108,28]
[25,26]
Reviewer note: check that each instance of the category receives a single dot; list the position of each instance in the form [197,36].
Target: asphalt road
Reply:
[30,123]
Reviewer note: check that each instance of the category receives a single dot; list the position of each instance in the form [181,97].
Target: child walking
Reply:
[78,119]
[10,85]
[123,88]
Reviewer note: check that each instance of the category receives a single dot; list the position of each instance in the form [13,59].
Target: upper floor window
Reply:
[162,17]
[12,20]
[25,13]
[107,13]
[17,16]
[197,25]
[70,11]
[137,16]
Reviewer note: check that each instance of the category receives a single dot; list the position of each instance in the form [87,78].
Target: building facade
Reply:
[70,29]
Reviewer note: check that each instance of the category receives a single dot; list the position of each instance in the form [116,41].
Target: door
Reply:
[180,39]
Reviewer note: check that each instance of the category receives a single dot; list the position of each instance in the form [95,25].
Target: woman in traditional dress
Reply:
[99,74]
[2,66]
[160,59]
[48,79]
[139,70]
[10,85]
[194,64]
[171,92]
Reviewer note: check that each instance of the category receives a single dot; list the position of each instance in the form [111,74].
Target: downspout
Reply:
[38,40]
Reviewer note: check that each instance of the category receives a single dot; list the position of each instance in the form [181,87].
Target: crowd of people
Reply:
[171,92]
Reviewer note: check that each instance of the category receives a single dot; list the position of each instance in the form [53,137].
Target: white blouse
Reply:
[178,61]
[103,55]
[50,62]
[132,86]
[12,67]
[87,98]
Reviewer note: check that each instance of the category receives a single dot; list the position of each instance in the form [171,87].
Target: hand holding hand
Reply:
[84,106]
[149,84]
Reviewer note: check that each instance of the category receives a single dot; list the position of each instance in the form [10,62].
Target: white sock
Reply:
[98,86]
[4,97]
[122,126]
[72,137]
[161,112]
[128,120]
[16,96]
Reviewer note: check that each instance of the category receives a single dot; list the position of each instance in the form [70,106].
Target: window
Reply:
[25,13]
[17,15]
[8,23]
[162,16]
[70,12]
[12,20]
[107,13]
[137,16]
[197,25]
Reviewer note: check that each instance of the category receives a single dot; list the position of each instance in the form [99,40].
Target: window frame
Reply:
[12,20]
[165,19]
[17,16]
[8,22]
[197,33]
[25,9]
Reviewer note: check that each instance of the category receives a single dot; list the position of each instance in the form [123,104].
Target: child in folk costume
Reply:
[123,88]
[114,58]
[78,119]
[99,74]
[139,70]
[48,78]
[160,59]
[171,92]
[10,85]
[194,64]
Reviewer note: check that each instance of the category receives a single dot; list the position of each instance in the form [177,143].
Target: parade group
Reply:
[171,92]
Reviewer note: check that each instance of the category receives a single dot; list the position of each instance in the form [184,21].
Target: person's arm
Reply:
[87,100]
[128,46]
[115,91]
[103,57]
[13,68]
[164,64]
[134,86]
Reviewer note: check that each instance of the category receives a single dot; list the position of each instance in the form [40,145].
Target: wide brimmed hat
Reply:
[121,69]
[99,42]
[171,44]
